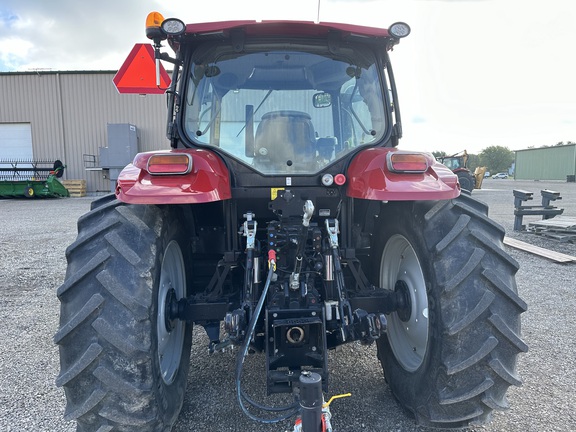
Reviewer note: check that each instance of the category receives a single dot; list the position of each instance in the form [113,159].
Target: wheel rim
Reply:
[170,332]
[408,337]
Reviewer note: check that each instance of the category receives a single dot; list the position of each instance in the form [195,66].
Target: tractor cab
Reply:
[280,98]
[282,109]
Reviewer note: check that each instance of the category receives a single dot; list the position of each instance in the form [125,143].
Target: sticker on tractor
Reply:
[274,193]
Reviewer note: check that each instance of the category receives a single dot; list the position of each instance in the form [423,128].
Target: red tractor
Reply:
[285,221]
[458,163]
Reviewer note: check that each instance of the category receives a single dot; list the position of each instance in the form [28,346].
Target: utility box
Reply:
[122,147]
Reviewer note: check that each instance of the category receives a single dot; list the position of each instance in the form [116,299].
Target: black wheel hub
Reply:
[403,300]
[171,309]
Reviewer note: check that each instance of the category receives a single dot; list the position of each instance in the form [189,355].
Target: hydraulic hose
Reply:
[294,408]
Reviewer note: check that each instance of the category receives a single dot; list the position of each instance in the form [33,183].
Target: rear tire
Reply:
[124,366]
[451,355]
[467,181]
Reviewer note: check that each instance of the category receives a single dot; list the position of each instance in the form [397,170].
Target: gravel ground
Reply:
[35,233]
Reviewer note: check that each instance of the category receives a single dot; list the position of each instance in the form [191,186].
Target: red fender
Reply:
[369,177]
[208,180]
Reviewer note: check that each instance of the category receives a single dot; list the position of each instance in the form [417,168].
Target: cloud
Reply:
[468,75]
[78,35]
[14,52]
[7,18]
[68,34]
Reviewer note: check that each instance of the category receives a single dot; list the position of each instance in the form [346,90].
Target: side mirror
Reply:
[322,100]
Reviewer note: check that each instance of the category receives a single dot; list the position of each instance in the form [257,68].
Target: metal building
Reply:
[546,163]
[66,116]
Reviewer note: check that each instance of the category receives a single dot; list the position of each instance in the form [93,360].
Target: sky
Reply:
[472,74]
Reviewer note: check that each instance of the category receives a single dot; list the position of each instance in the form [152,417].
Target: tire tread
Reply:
[448,399]
[79,366]
[477,313]
[454,366]
[94,399]
[83,314]
[83,272]
[106,326]
[473,262]
[481,307]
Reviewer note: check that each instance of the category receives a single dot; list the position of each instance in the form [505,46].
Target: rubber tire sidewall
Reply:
[410,388]
[129,242]
[171,395]
[474,312]
[467,181]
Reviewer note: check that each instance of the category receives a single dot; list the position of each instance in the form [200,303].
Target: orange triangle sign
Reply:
[138,73]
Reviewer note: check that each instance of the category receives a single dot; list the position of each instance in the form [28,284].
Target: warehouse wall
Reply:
[546,163]
[69,113]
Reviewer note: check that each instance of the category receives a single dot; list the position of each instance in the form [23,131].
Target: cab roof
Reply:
[284,28]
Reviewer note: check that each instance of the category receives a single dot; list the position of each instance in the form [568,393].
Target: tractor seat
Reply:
[285,141]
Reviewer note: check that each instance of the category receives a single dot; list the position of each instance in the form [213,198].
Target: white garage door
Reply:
[15,141]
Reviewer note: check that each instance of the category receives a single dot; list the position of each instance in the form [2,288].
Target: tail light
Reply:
[407,162]
[169,164]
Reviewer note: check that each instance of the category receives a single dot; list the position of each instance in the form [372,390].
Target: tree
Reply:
[497,158]
[473,162]
[438,154]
